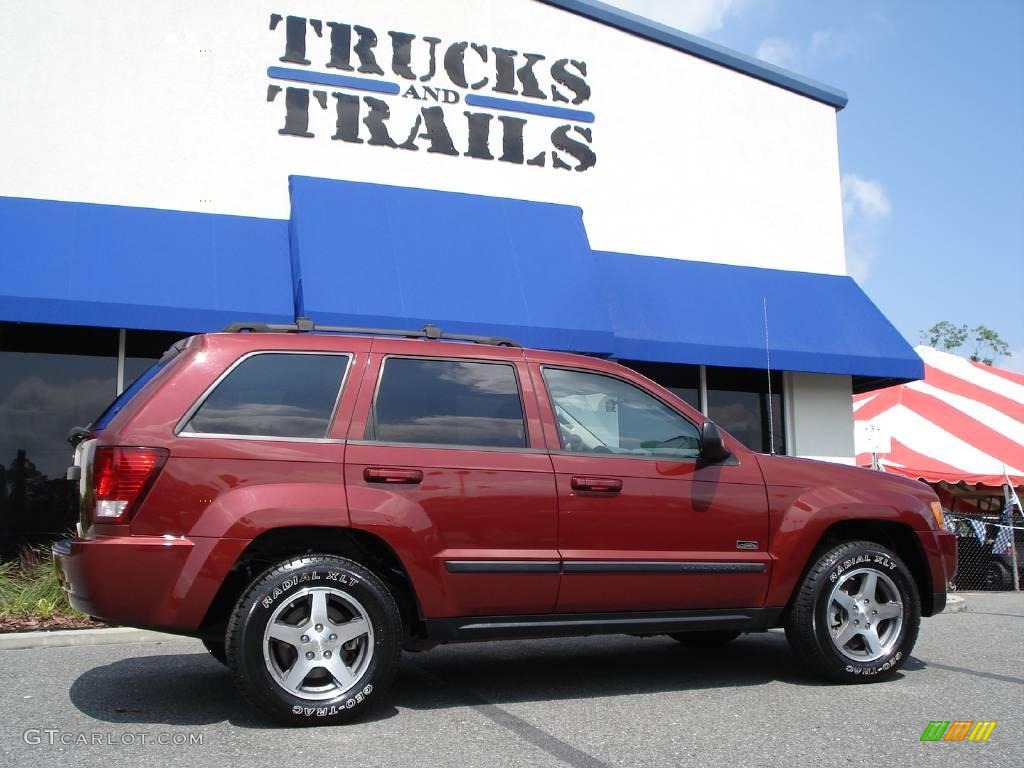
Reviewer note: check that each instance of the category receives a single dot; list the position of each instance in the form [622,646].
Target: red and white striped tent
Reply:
[964,423]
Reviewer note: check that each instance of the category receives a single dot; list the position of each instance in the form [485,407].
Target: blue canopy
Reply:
[670,310]
[122,267]
[396,257]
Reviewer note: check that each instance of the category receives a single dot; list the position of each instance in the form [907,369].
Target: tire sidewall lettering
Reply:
[867,670]
[876,559]
[335,709]
[330,577]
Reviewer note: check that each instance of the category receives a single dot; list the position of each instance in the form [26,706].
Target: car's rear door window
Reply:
[448,402]
[269,394]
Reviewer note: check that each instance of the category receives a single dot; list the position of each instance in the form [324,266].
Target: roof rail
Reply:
[305,325]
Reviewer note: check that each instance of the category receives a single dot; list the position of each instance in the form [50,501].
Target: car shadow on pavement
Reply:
[593,667]
[193,689]
[187,689]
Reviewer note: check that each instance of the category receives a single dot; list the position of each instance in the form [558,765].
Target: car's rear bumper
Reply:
[151,581]
[940,554]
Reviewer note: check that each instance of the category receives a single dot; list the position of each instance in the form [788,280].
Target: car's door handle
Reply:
[608,485]
[393,475]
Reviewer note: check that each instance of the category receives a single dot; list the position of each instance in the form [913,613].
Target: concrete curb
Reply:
[10,641]
[955,604]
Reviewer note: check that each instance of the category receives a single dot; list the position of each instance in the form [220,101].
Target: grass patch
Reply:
[29,587]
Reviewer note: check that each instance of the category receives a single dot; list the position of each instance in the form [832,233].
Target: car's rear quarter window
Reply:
[273,394]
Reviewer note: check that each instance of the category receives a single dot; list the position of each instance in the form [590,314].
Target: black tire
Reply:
[816,612]
[216,649]
[353,599]
[706,639]
[996,577]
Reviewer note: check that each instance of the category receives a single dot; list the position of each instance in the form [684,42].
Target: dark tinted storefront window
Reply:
[143,348]
[447,402]
[738,402]
[682,380]
[51,379]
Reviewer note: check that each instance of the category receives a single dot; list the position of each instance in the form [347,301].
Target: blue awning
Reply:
[381,256]
[123,267]
[670,310]
[396,257]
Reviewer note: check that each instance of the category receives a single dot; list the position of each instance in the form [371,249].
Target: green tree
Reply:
[987,345]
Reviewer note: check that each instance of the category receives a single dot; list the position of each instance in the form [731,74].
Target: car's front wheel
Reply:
[856,615]
[315,640]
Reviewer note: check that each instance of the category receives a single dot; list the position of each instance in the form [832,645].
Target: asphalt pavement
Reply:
[598,701]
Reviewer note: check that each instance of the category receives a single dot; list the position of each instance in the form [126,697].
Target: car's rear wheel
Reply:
[856,615]
[706,639]
[315,640]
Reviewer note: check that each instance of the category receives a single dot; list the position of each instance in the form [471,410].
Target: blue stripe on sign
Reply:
[534,109]
[340,81]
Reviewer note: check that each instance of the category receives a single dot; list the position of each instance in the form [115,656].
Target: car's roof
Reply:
[331,342]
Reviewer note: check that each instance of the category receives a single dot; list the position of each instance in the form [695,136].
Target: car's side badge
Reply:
[746,544]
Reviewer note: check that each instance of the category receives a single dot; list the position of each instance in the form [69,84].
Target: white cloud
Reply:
[820,40]
[859,259]
[698,17]
[776,51]
[865,206]
[822,44]
[864,198]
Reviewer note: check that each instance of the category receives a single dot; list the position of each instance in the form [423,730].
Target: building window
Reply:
[737,399]
[738,402]
[448,402]
[273,395]
[143,348]
[681,380]
[52,378]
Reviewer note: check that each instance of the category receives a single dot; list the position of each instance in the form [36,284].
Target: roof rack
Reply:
[305,325]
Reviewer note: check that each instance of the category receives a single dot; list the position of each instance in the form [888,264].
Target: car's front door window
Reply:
[603,414]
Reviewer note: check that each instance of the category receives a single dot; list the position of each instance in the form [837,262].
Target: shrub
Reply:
[29,587]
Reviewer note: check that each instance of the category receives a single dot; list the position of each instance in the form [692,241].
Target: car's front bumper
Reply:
[940,555]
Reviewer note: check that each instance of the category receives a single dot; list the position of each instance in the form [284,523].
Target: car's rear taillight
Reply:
[120,477]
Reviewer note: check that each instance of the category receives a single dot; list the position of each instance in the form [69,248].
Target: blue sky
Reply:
[931,144]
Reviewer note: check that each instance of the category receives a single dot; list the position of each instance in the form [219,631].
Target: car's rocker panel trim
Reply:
[659,566]
[471,628]
[601,566]
[502,566]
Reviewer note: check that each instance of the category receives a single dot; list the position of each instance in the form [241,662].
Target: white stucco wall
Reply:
[166,105]
[819,416]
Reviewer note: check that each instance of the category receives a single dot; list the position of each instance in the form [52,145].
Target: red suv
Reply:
[311,503]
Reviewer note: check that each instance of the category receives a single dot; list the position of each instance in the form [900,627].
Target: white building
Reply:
[552,170]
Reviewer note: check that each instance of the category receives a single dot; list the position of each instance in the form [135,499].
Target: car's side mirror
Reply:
[712,447]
